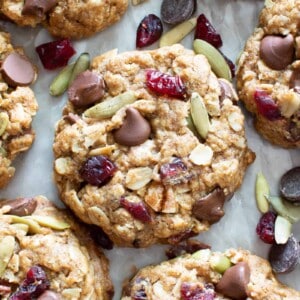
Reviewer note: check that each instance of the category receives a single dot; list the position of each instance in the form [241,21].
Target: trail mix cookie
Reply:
[128,156]
[45,254]
[17,106]
[234,274]
[269,71]
[67,18]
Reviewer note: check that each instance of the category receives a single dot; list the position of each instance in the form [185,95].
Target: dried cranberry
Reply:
[191,291]
[34,285]
[165,84]
[205,31]
[100,237]
[55,54]
[149,31]
[266,105]
[98,170]
[174,173]
[230,64]
[137,209]
[265,227]
[184,235]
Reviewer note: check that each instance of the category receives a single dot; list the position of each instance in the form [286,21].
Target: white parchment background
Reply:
[234,20]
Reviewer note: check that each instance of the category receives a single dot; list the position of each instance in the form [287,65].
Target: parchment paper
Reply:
[235,21]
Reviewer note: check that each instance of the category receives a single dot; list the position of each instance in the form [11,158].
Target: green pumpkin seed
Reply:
[282,230]
[49,222]
[108,108]
[7,246]
[82,64]
[34,227]
[262,192]
[177,33]
[220,263]
[4,119]
[199,115]
[214,57]
[3,152]
[203,254]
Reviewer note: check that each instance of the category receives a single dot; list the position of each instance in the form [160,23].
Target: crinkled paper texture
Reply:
[235,21]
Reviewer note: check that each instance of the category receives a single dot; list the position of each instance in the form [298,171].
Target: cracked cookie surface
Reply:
[17,108]
[170,185]
[35,233]
[268,72]
[67,18]
[193,276]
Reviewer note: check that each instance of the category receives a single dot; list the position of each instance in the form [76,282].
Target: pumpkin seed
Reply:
[137,2]
[50,222]
[269,3]
[203,254]
[220,263]
[262,191]
[3,152]
[19,226]
[283,230]
[108,108]
[7,246]
[34,227]
[4,119]
[199,115]
[61,81]
[82,64]
[214,57]
[177,33]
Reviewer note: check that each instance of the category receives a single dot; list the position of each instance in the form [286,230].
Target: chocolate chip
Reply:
[234,281]
[49,295]
[87,88]
[285,257]
[290,185]
[294,130]
[277,52]
[295,81]
[210,207]
[20,206]
[17,70]
[135,129]
[177,11]
[38,8]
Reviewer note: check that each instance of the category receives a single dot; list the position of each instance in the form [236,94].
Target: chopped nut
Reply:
[289,104]
[4,119]
[138,177]
[201,155]
[62,165]
[7,246]
[283,230]
[235,121]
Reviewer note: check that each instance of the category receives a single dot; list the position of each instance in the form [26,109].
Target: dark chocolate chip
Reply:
[210,207]
[290,185]
[284,257]
[38,8]
[20,206]
[277,52]
[87,88]
[234,281]
[177,11]
[135,129]
[17,70]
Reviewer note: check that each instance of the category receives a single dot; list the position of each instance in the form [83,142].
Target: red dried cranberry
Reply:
[266,105]
[205,31]
[100,237]
[149,31]
[184,235]
[34,285]
[265,227]
[165,84]
[98,170]
[230,64]
[55,54]
[174,172]
[191,291]
[137,209]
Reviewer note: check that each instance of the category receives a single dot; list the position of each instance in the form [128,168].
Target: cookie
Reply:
[234,274]
[48,255]
[17,106]
[67,18]
[268,74]
[128,157]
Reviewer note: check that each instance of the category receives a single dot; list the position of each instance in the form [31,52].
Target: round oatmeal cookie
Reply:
[65,18]
[234,274]
[17,106]
[46,254]
[150,145]
[268,75]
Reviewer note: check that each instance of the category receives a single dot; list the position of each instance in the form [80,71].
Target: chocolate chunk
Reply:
[210,207]
[135,129]
[17,70]
[277,52]
[234,281]
[49,295]
[295,81]
[87,88]
[20,206]
[290,185]
[294,130]
[38,8]
[284,257]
